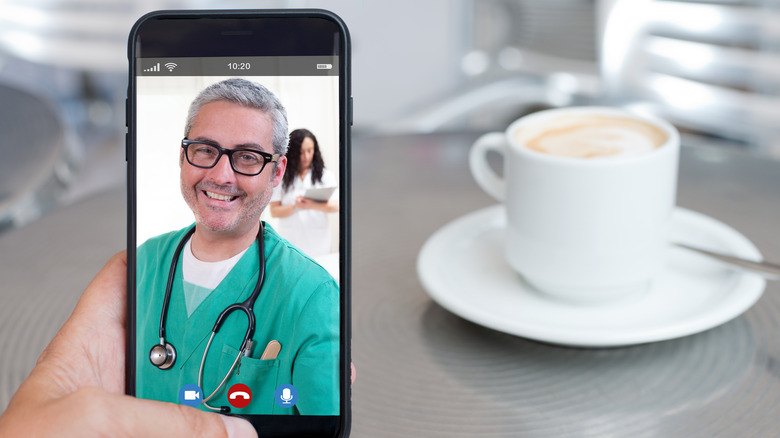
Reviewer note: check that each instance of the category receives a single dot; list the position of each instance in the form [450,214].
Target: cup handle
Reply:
[482,172]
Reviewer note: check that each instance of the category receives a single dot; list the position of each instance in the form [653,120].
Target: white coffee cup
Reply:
[584,229]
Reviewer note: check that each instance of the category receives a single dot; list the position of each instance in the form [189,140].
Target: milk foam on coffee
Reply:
[594,136]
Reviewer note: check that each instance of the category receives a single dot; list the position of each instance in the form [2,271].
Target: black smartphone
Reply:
[238,284]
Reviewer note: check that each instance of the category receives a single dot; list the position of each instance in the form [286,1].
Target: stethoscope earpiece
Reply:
[163,356]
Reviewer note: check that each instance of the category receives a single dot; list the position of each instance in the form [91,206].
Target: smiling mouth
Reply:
[219,197]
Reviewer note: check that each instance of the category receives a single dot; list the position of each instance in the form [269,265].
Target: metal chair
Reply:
[708,66]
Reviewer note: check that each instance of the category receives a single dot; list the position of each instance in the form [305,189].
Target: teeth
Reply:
[219,197]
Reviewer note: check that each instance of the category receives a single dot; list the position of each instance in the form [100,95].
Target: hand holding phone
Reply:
[76,386]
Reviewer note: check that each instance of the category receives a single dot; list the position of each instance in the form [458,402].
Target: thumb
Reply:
[238,427]
[153,418]
[94,412]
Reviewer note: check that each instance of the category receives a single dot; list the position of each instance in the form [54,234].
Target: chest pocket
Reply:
[259,375]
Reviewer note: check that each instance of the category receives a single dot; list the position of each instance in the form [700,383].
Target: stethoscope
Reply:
[163,355]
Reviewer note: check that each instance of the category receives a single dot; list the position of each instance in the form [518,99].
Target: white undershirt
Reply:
[201,278]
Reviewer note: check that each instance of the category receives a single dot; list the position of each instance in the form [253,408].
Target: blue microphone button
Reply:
[286,395]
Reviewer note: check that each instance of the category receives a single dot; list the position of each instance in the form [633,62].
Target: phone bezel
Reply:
[301,33]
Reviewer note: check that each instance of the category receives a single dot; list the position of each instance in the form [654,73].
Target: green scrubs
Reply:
[297,306]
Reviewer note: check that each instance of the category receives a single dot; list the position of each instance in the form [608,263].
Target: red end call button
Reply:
[239,395]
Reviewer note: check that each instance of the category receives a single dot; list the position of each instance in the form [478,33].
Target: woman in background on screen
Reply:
[303,221]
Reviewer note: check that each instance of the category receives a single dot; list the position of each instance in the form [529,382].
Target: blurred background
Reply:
[710,67]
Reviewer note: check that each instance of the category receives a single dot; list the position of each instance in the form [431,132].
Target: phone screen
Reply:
[239,200]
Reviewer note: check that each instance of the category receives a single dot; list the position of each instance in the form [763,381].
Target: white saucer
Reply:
[462,267]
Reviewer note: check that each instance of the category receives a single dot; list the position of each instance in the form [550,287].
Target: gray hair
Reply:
[247,94]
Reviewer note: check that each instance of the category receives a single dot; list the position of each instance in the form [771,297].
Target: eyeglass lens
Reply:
[205,155]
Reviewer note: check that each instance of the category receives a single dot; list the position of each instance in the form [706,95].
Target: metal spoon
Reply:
[769,271]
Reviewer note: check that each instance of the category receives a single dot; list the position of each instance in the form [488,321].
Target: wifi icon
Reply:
[170,66]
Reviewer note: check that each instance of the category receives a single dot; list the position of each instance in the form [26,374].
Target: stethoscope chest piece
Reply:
[163,356]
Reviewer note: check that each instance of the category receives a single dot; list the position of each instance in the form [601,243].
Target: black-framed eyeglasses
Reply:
[206,155]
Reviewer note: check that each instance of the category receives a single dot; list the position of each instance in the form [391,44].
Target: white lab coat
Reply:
[306,229]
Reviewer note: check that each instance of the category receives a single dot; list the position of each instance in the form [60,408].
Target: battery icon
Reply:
[324,66]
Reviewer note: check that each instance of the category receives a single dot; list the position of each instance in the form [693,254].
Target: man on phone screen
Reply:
[231,159]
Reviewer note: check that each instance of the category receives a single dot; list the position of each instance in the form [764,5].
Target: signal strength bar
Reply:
[154,68]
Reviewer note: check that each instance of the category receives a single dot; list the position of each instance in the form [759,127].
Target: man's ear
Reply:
[279,168]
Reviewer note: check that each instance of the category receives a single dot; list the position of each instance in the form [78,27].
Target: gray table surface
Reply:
[423,371]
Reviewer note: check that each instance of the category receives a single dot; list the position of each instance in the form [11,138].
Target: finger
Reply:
[89,348]
[106,295]
[101,307]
